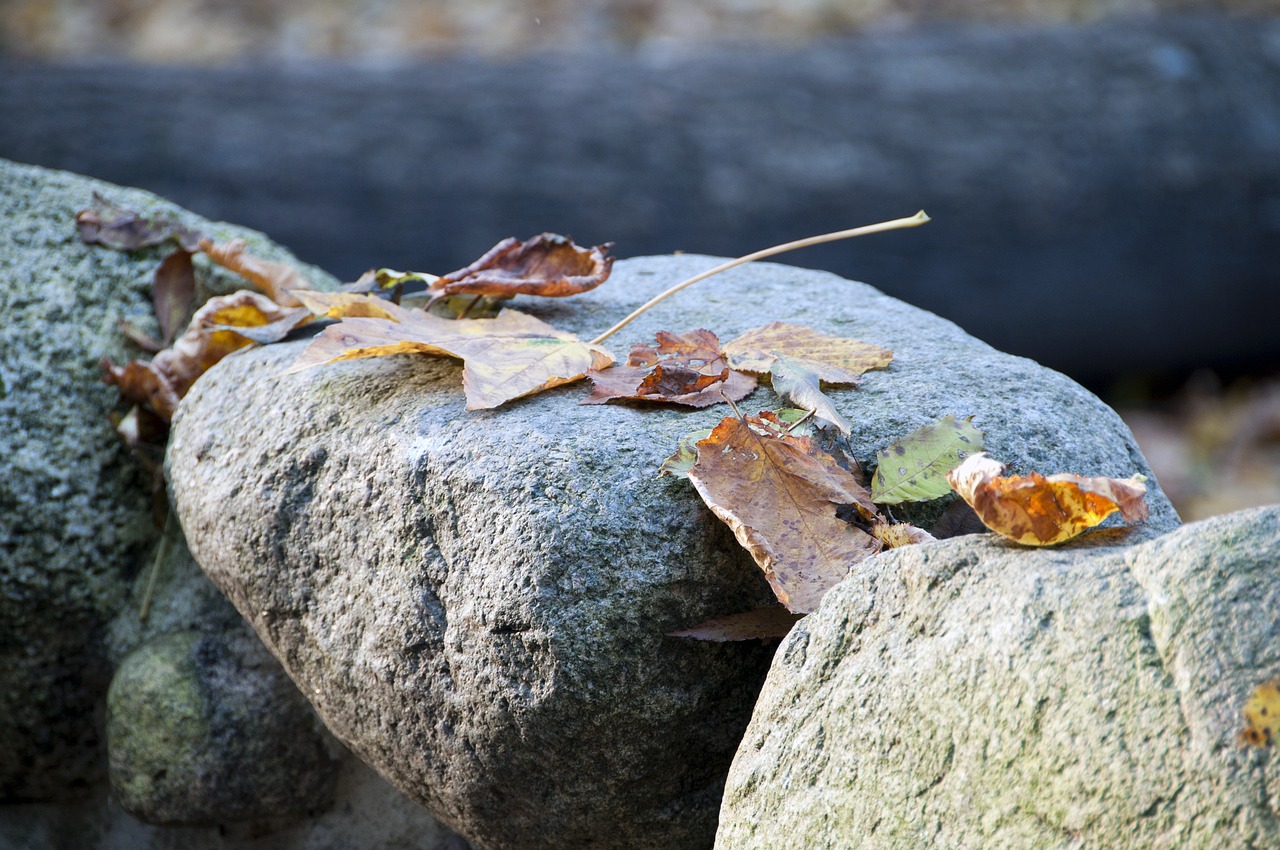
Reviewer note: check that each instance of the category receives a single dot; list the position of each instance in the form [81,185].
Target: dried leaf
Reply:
[1261,716]
[349,305]
[218,328]
[914,468]
[1039,511]
[683,369]
[138,337]
[799,386]
[385,279]
[547,264]
[504,358]
[275,279]
[779,494]
[895,534]
[123,229]
[770,622]
[173,294]
[835,360]
[686,455]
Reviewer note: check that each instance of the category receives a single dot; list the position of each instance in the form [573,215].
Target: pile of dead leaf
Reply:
[785,479]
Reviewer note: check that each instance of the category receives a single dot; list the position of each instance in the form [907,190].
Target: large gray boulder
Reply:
[476,602]
[75,511]
[971,693]
[76,561]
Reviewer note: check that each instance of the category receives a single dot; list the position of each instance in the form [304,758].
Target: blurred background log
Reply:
[1106,198]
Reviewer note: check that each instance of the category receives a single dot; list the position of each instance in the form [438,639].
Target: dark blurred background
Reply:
[1104,175]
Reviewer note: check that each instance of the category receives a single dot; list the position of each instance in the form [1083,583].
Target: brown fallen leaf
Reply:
[779,494]
[275,279]
[769,622]
[123,229]
[173,294]
[504,358]
[1041,511]
[833,359]
[683,369]
[1261,716]
[548,265]
[218,328]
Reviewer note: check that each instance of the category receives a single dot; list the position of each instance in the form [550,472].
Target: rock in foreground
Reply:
[476,602]
[971,693]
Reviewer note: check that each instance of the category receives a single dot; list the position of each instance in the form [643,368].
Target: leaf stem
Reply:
[896,224]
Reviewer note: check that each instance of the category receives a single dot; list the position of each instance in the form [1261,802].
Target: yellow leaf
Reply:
[1261,716]
[833,359]
[349,305]
[1039,511]
[506,357]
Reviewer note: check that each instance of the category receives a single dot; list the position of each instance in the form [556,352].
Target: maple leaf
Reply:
[275,279]
[683,369]
[1261,716]
[350,305]
[769,622]
[1041,511]
[833,359]
[778,493]
[914,468]
[504,358]
[223,325]
[548,265]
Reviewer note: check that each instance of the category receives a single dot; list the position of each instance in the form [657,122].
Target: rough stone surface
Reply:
[970,693]
[75,518]
[476,602]
[207,728]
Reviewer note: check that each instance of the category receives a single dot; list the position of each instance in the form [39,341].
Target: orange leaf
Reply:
[547,264]
[833,359]
[684,369]
[779,493]
[223,325]
[275,279]
[1039,511]
[506,357]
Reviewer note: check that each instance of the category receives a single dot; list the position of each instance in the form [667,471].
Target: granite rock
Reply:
[476,602]
[971,693]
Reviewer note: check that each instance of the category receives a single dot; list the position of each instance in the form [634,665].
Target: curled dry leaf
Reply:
[779,494]
[504,358]
[683,369]
[914,468]
[799,386]
[275,279]
[1261,716]
[123,229]
[221,326]
[548,264]
[1039,511]
[833,359]
[769,622]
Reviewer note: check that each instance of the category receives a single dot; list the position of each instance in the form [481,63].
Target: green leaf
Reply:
[914,468]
